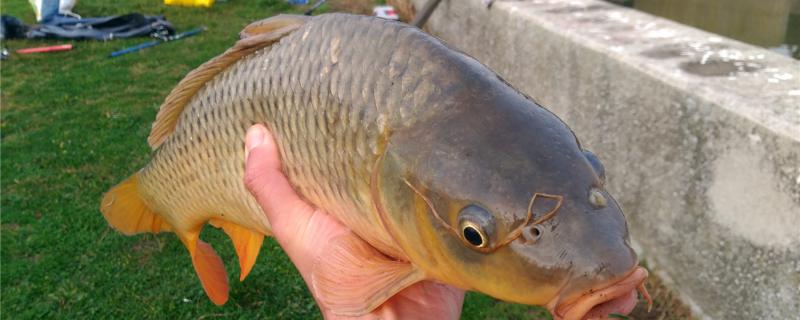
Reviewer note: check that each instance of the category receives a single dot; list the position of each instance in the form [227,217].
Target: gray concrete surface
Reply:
[700,136]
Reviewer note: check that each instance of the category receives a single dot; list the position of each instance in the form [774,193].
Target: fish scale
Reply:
[329,165]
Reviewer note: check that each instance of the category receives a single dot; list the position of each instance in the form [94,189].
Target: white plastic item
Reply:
[385,12]
[65,7]
[46,9]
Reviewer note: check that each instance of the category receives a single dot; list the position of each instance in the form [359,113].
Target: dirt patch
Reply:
[10,227]
[352,6]
[145,248]
[404,8]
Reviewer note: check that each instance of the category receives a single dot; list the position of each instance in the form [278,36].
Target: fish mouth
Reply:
[618,298]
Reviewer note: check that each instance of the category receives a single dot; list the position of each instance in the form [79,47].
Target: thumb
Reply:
[301,230]
[263,177]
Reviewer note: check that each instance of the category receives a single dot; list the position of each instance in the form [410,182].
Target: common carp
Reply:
[423,152]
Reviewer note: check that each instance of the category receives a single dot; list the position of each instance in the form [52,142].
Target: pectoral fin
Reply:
[354,278]
[246,242]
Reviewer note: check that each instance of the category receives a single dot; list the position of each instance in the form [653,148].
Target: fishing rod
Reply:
[158,41]
[314,7]
[422,16]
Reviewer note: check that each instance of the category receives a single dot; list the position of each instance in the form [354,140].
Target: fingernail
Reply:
[255,136]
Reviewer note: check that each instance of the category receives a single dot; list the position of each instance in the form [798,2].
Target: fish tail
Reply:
[125,210]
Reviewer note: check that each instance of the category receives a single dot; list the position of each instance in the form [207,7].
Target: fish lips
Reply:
[618,297]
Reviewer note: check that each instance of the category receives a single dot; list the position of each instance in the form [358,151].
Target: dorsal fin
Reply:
[255,36]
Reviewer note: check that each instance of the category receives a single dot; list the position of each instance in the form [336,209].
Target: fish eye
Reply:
[473,235]
[596,164]
[476,225]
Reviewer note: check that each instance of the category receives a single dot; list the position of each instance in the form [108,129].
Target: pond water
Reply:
[772,24]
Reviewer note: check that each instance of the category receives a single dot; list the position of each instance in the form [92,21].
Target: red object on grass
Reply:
[62,47]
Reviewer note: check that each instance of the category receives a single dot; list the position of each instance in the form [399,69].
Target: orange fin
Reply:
[125,211]
[246,242]
[354,278]
[209,269]
[258,35]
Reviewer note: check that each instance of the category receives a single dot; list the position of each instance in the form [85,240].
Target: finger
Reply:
[258,137]
[263,177]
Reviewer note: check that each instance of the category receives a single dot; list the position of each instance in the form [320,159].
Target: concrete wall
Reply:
[700,136]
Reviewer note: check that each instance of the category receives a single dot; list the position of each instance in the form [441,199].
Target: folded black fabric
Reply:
[99,28]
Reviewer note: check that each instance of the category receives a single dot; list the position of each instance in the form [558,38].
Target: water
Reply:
[772,24]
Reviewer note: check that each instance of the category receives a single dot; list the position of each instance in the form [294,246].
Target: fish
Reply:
[448,172]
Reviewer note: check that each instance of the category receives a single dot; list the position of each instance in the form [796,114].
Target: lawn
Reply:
[75,123]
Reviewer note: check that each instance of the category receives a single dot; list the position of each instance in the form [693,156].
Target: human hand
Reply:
[304,232]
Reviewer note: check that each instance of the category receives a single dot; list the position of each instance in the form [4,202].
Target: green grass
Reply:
[75,123]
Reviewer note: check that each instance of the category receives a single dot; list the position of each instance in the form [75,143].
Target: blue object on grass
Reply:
[157,42]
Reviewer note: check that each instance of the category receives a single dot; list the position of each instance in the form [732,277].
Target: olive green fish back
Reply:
[330,92]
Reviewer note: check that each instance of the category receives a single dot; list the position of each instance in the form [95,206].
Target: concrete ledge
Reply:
[700,136]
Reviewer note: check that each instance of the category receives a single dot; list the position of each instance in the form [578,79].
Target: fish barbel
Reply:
[426,154]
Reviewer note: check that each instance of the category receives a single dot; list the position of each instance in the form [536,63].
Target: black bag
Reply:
[12,28]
